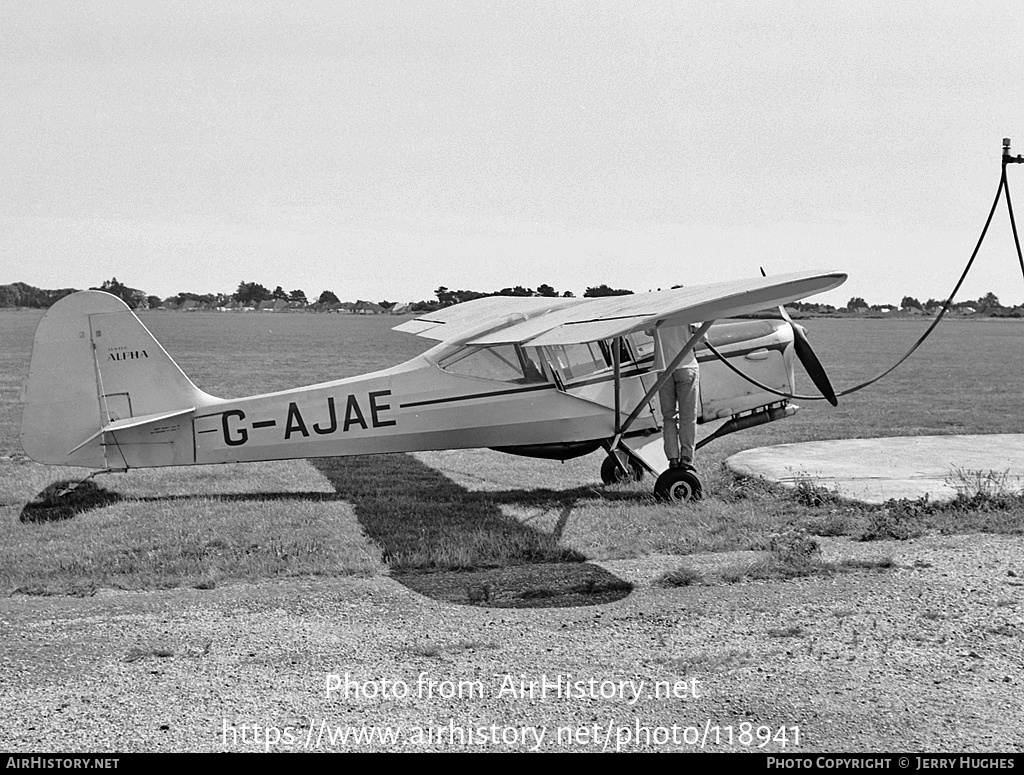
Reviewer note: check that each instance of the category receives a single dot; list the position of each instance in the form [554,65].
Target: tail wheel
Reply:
[613,473]
[678,485]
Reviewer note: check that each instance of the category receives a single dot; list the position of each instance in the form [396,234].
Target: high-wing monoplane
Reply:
[545,377]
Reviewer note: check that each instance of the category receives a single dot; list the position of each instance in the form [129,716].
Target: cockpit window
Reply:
[574,361]
[503,363]
[642,345]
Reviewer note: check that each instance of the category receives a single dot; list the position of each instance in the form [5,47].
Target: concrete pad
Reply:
[875,470]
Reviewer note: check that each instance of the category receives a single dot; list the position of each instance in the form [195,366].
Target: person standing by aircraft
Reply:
[679,395]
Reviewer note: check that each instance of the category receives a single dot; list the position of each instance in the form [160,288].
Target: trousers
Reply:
[679,398]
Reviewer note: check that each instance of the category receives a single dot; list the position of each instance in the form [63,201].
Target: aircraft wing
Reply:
[480,315]
[606,317]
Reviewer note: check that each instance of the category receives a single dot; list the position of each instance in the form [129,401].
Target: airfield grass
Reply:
[474,510]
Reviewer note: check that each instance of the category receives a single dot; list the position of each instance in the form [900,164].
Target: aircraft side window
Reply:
[574,361]
[642,345]
[607,350]
[533,366]
[501,363]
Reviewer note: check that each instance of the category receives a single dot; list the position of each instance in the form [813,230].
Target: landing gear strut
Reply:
[612,472]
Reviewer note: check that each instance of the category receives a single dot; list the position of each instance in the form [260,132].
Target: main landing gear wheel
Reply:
[678,485]
[612,473]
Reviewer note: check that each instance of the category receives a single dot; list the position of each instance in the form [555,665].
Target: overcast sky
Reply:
[381,149]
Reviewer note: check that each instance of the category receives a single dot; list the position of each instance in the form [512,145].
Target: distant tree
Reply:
[251,293]
[910,302]
[517,291]
[299,296]
[10,296]
[604,290]
[133,297]
[856,303]
[327,297]
[279,294]
[568,295]
[546,290]
[988,302]
[24,295]
[446,298]
[932,305]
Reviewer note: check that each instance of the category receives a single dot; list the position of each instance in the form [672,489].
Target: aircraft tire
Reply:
[678,485]
[611,473]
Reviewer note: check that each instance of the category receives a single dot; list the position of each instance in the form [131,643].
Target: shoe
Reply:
[673,462]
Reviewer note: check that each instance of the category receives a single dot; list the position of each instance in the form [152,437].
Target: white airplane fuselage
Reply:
[410,407]
[102,393]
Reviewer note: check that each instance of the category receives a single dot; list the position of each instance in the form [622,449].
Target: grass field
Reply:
[476,509]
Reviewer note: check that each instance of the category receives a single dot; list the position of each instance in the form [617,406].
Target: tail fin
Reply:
[95,365]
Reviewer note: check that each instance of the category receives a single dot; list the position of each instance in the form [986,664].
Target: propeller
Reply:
[807,357]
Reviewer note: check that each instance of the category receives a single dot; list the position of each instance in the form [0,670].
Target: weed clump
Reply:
[809,493]
[898,520]
[984,491]
[791,554]
[682,576]
[794,548]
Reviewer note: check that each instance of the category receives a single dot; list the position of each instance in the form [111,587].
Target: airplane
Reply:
[544,377]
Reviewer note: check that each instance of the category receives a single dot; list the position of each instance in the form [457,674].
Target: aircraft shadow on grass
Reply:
[438,538]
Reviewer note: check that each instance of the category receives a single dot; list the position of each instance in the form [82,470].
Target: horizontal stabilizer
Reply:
[133,422]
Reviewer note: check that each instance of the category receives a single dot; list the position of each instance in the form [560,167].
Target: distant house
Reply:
[367,308]
[273,305]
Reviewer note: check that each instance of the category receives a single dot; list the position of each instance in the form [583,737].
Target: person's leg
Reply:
[670,420]
[687,383]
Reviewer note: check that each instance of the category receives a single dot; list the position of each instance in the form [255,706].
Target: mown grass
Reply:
[473,510]
[271,520]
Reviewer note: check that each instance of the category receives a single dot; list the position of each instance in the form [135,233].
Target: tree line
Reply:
[251,294]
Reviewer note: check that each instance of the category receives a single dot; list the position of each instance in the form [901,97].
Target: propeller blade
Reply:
[811,363]
[807,357]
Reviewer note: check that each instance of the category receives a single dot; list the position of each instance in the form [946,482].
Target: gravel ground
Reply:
[924,657]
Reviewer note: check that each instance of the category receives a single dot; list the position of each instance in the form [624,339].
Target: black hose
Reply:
[1003,184]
